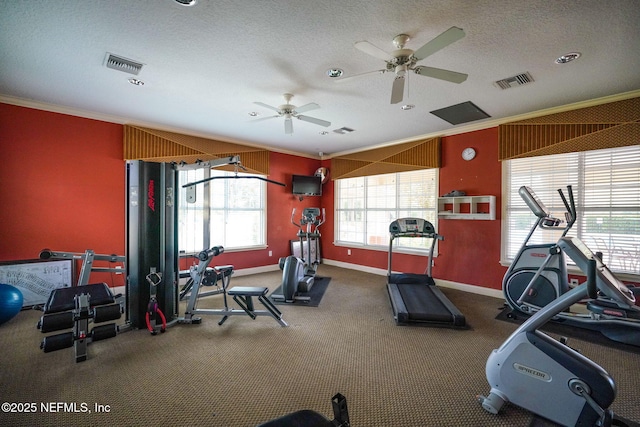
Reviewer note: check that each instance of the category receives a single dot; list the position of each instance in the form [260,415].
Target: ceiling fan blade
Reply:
[453,34]
[306,107]
[397,91]
[372,50]
[265,118]
[262,104]
[288,126]
[315,121]
[355,76]
[439,73]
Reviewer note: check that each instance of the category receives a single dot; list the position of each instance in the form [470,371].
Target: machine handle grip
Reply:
[570,205]
[46,254]
[592,287]
[210,253]
[293,221]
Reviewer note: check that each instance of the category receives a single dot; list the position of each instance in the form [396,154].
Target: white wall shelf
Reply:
[467,207]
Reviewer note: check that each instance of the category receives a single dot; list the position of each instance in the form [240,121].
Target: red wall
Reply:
[280,203]
[63,181]
[470,253]
[63,188]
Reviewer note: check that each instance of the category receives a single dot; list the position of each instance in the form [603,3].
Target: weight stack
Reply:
[152,241]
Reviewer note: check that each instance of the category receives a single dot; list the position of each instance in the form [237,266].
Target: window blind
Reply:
[606,185]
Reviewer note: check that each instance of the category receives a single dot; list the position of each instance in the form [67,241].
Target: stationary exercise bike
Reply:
[547,377]
[538,276]
[299,273]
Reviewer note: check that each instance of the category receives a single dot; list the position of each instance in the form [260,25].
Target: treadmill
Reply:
[415,298]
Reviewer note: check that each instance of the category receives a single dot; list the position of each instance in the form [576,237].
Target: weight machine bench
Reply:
[75,308]
[242,295]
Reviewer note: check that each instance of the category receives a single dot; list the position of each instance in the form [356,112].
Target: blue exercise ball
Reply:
[10,302]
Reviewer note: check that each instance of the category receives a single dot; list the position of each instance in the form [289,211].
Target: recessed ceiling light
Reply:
[136,82]
[407,107]
[568,57]
[334,72]
[186,2]
[253,114]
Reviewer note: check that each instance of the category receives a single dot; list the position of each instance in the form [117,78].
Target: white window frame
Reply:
[195,220]
[364,205]
[606,185]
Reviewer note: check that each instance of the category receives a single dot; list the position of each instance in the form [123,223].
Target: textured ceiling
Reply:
[206,65]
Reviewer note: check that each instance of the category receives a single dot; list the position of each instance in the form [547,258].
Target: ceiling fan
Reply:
[402,60]
[288,111]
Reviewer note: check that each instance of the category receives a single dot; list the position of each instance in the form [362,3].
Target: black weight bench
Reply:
[73,308]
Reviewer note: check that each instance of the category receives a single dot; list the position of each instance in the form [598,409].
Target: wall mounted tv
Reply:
[306,185]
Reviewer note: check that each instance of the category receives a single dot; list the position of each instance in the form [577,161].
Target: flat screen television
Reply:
[306,185]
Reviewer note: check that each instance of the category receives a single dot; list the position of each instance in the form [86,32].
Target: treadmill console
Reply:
[411,227]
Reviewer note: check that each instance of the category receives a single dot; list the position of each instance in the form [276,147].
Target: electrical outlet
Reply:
[270,253]
[348,251]
[574,282]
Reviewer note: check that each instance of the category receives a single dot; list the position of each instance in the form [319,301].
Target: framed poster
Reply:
[37,278]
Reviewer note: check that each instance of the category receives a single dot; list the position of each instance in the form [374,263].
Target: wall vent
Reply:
[519,80]
[119,63]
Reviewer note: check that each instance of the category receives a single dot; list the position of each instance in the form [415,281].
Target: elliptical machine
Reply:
[538,276]
[298,273]
[547,377]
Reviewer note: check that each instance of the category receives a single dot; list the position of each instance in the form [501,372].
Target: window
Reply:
[606,187]
[365,206]
[227,212]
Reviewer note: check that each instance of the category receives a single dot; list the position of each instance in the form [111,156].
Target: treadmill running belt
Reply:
[422,304]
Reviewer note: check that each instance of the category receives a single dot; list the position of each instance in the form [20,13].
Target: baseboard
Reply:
[255,270]
[495,293]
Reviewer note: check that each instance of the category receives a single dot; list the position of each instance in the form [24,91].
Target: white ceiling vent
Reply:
[122,64]
[343,130]
[519,80]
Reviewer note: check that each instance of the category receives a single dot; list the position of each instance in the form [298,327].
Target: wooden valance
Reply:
[404,157]
[152,145]
[615,124]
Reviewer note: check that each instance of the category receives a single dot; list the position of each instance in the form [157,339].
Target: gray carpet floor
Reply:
[246,371]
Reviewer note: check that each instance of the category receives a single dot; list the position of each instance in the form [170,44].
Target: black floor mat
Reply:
[316,293]
[508,315]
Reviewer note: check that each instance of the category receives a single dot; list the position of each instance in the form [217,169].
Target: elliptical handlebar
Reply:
[310,217]
[545,220]
[570,206]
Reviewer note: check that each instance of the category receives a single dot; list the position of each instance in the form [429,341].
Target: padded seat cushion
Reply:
[248,291]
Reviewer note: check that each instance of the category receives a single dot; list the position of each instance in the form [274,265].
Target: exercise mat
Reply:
[315,294]
[506,314]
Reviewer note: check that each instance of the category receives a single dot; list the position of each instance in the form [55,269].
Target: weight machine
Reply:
[242,295]
[78,306]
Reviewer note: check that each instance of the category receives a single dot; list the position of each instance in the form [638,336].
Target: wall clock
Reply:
[468,153]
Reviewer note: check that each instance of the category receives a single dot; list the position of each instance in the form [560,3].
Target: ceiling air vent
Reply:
[122,64]
[343,130]
[519,80]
